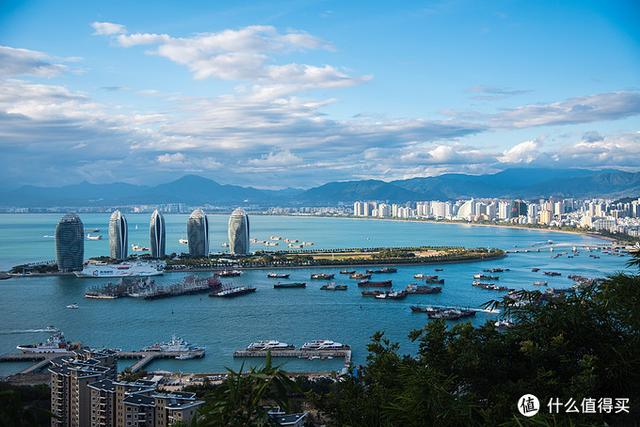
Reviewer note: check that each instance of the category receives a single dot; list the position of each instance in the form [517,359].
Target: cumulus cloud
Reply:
[14,62]
[524,152]
[108,28]
[244,54]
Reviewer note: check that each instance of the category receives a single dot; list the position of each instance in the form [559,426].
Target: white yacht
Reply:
[269,345]
[125,269]
[323,345]
[92,237]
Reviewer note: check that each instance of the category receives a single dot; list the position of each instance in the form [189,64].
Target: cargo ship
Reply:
[124,269]
[232,292]
[371,284]
[289,285]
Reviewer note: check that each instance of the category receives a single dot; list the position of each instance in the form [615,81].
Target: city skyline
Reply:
[284,94]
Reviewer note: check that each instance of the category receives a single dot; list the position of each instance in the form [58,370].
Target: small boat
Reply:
[228,273]
[233,292]
[225,245]
[435,281]
[370,284]
[392,295]
[480,276]
[289,285]
[333,287]
[183,241]
[275,238]
[50,328]
[422,290]
[490,286]
[383,270]
[186,356]
[277,276]
[552,273]
[419,276]
[540,283]
[138,248]
[370,293]
[439,269]
[92,237]
[535,270]
[271,243]
[349,272]
[360,276]
[322,276]
[495,270]
[73,306]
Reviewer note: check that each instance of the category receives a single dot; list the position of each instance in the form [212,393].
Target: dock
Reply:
[300,354]
[42,360]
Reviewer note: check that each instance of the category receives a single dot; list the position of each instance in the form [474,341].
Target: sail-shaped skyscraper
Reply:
[157,235]
[198,233]
[70,243]
[118,236]
[239,232]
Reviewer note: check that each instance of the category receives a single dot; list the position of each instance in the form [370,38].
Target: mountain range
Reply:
[527,183]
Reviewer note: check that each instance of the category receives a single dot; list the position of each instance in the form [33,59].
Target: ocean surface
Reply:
[290,315]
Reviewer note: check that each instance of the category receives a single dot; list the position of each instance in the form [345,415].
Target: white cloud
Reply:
[14,62]
[247,54]
[108,28]
[524,152]
[283,158]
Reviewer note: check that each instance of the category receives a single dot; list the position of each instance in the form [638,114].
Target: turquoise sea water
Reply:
[290,315]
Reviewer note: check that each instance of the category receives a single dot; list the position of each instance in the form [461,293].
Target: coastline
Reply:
[472,224]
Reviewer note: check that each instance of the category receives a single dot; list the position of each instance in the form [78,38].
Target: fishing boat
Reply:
[360,276]
[480,276]
[371,284]
[232,292]
[322,276]
[421,290]
[228,273]
[333,287]
[540,283]
[349,272]
[277,275]
[289,285]
[383,270]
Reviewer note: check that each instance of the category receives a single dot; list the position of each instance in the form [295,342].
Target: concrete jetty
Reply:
[42,360]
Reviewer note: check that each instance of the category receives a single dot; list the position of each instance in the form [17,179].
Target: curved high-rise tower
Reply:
[118,236]
[198,233]
[157,235]
[70,243]
[239,232]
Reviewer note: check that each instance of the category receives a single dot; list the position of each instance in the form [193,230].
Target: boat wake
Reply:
[26,331]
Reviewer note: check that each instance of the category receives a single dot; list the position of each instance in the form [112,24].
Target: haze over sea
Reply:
[293,316]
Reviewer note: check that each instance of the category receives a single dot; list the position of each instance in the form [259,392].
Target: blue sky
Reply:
[282,93]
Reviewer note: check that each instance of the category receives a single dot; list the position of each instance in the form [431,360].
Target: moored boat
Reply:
[278,275]
[360,276]
[56,343]
[323,345]
[333,287]
[232,292]
[322,276]
[372,284]
[228,273]
[269,345]
[289,285]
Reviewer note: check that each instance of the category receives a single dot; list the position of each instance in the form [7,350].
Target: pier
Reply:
[300,354]
[43,359]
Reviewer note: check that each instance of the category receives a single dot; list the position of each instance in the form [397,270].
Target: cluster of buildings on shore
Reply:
[595,214]
[85,392]
[70,237]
